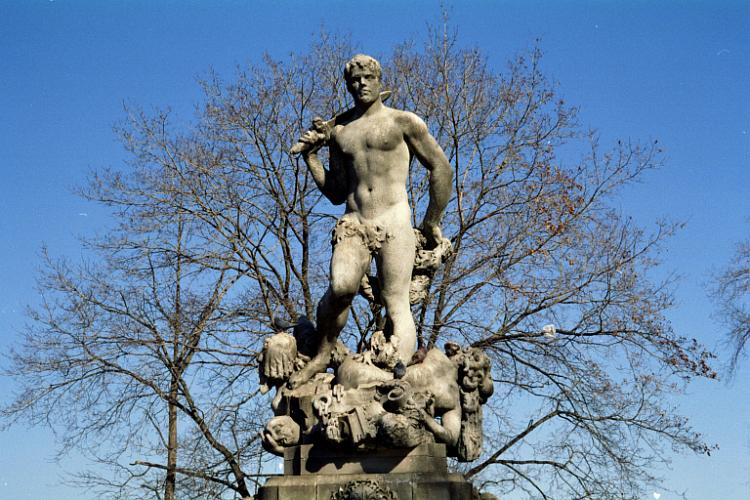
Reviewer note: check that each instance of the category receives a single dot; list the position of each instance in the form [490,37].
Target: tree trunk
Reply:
[169,487]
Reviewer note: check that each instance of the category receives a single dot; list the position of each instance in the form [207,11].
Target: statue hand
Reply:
[429,422]
[316,137]
[270,444]
[279,355]
[313,141]
[320,126]
[433,235]
[279,367]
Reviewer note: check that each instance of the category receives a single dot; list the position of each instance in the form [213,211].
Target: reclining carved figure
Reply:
[437,399]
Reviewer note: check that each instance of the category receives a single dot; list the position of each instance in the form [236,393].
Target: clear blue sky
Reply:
[678,71]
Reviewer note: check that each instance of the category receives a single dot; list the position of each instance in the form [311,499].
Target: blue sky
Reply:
[676,71]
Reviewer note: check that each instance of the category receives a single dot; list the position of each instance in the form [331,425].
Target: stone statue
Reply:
[390,395]
[391,407]
[370,150]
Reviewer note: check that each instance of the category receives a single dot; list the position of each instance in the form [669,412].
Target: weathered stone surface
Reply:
[413,486]
[449,487]
[313,472]
[363,489]
[316,459]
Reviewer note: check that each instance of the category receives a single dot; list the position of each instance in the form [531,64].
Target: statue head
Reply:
[474,371]
[399,431]
[364,62]
[280,432]
[363,78]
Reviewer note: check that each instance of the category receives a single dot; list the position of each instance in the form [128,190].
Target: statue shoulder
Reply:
[410,123]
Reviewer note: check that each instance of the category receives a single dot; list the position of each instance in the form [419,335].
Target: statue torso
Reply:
[375,156]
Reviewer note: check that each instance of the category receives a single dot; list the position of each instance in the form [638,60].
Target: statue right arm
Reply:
[332,181]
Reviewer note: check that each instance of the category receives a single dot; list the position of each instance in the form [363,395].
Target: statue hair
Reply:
[362,61]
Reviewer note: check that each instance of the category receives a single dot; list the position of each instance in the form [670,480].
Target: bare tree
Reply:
[223,230]
[731,291]
[120,346]
[549,279]
[217,233]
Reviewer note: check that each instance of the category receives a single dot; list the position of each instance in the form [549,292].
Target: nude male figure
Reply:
[370,152]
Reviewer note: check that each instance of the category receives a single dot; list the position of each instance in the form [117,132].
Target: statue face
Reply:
[283,430]
[475,365]
[472,379]
[364,85]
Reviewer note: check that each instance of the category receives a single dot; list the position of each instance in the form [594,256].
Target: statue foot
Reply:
[306,373]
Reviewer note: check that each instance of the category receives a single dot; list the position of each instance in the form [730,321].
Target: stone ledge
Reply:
[311,459]
[414,486]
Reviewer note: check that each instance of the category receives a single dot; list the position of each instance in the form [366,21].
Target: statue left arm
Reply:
[448,432]
[431,155]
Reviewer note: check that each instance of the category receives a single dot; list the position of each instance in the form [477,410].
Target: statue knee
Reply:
[344,288]
[397,304]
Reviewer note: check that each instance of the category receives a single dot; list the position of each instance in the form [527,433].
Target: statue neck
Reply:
[368,108]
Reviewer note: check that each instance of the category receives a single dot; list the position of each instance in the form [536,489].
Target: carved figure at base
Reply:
[364,405]
[476,385]
[280,432]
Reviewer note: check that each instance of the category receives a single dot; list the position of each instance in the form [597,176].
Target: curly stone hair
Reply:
[364,62]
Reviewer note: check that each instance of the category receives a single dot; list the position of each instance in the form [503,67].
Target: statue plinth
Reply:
[313,472]
[314,459]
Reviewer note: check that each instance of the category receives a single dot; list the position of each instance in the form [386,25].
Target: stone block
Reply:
[441,487]
[316,473]
[288,488]
[405,486]
[312,459]
[268,492]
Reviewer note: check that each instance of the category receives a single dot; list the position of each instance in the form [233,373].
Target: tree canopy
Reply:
[731,291]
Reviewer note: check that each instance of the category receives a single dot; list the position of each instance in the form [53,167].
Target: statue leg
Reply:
[349,263]
[395,263]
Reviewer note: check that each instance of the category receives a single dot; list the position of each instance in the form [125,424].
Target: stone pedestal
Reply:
[316,473]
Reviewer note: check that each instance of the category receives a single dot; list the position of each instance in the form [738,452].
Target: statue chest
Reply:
[362,137]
